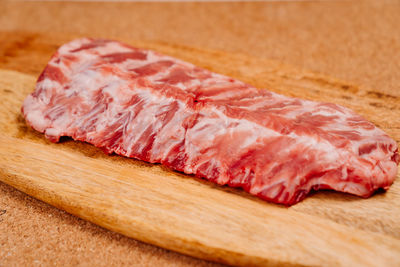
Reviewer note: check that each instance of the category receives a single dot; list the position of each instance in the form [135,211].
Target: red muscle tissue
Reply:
[138,103]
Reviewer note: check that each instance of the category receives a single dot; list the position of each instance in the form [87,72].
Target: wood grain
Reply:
[178,212]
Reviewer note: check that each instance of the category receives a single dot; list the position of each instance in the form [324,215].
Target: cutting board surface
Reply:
[189,215]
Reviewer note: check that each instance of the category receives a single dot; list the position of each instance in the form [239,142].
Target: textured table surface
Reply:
[355,41]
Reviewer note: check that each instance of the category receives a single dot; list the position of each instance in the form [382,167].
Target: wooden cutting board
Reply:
[179,212]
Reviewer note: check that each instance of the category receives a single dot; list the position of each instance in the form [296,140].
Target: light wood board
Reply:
[179,212]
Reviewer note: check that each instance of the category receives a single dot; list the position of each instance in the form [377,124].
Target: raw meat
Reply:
[156,108]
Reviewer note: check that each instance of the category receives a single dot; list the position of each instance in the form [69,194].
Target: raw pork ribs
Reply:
[138,103]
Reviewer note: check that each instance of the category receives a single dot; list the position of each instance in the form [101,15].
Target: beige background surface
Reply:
[357,41]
